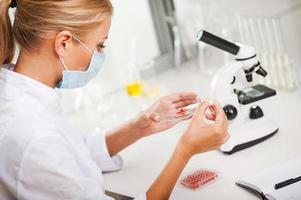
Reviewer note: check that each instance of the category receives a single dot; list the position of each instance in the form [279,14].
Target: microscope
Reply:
[232,87]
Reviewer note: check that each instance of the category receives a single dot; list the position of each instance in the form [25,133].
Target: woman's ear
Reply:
[63,41]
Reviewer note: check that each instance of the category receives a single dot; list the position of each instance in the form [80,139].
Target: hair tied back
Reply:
[13,4]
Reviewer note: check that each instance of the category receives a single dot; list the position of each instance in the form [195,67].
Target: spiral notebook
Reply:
[264,182]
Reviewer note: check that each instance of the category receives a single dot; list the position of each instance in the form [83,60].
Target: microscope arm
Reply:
[222,83]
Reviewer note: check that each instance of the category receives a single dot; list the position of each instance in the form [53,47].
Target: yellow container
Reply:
[135,88]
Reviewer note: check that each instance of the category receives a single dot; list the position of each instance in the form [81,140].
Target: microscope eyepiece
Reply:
[218,42]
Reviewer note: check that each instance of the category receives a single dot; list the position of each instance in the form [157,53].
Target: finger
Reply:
[187,95]
[175,120]
[200,112]
[185,118]
[181,116]
[184,103]
[221,118]
[218,108]
[227,137]
[210,117]
[182,96]
[212,109]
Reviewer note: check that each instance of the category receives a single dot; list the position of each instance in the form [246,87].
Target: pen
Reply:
[287,182]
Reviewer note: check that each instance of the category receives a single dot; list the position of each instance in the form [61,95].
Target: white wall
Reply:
[247,7]
[291,31]
[217,14]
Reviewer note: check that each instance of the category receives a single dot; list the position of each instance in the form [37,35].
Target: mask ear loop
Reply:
[78,40]
[63,63]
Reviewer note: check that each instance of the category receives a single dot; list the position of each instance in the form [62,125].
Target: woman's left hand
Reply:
[152,120]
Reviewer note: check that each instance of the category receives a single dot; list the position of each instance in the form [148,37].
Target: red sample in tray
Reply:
[198,178]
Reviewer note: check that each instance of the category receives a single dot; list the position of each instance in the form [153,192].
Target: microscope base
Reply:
[248,134]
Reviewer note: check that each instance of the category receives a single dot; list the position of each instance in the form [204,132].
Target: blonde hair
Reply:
[35,19]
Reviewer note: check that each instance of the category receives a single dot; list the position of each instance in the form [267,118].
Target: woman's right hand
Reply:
[201,135]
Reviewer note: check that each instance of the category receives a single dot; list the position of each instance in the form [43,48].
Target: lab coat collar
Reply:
[17,85]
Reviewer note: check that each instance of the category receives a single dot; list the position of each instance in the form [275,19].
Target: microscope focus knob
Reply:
[230,111]
[256,112]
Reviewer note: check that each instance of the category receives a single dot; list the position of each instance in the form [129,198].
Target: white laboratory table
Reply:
[144,160]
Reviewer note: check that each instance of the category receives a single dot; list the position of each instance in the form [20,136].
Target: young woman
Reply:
[42,157]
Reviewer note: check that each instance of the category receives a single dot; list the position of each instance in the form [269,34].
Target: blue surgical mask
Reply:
[77,79]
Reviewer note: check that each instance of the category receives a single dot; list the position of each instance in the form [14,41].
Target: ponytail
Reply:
[7,42]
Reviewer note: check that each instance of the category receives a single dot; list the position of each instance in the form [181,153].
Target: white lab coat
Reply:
[42,157]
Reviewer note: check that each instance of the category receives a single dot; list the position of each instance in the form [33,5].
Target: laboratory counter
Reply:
[144,160]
